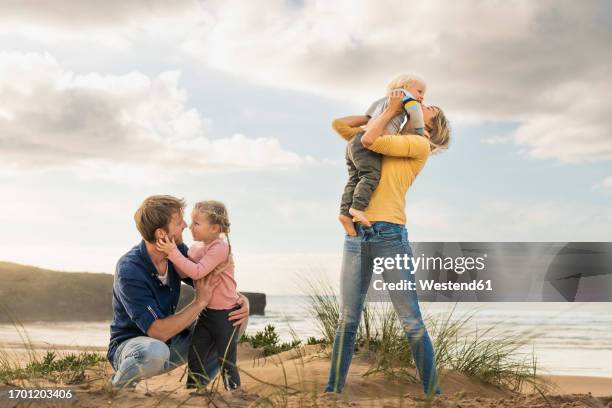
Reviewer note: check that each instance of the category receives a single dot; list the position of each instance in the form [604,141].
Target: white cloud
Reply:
[605,185]
[579,131]
[541,64]
[508,221]
[496,139]
[109,127]
[70,14]
[115,25]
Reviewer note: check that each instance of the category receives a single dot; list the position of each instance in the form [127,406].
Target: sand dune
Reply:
[296,379]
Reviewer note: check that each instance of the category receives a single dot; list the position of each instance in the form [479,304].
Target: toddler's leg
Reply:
[202,345]
[415,120]
[225,337]
[347,196]
[368,166]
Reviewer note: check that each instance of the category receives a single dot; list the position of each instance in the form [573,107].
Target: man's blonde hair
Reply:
[404,81]
[156,212]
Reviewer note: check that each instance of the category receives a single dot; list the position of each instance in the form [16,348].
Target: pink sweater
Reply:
[202,260]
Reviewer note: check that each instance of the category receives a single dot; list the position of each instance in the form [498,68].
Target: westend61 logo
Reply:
[402,263]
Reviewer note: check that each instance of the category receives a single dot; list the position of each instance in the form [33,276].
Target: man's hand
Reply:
[241,315]
[165,245]
[164,329]
[395,101]
[204,290]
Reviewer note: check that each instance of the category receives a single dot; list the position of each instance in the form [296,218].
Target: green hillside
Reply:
[33,294]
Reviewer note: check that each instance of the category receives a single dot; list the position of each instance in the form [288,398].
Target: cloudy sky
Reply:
[105,103]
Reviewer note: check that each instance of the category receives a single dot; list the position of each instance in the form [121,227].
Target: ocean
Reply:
[569,338]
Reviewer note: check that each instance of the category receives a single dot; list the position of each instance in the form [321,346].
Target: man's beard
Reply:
[177,238]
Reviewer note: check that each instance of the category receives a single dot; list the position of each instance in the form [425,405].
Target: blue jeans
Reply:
[383,239]
[143,357]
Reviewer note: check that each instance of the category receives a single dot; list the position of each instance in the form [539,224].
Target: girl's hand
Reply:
[165,245]
[394,103]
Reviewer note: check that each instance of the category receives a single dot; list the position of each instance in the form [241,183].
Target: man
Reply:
[148,336]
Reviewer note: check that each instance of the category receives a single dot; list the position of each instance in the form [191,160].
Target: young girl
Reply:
[213,329]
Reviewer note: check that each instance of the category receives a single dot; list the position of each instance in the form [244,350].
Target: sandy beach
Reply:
[296,379]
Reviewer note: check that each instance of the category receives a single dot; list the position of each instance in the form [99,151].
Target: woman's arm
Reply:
[376,127]
[413,146]
[347,126]
[407,146]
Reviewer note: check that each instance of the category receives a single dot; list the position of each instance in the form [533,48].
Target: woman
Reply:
[403,158]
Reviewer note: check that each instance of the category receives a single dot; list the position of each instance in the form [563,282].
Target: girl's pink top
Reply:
[202,260]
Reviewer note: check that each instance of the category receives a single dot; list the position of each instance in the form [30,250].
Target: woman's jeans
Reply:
[385,240]
[143,357]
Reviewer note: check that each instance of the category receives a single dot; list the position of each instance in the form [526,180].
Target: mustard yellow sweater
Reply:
[403,158]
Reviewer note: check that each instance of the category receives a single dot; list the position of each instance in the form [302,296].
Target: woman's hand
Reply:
[165,245]
[241,315]
[395,101]
[377,125]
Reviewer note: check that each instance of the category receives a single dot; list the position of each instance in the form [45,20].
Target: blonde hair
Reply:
[156,212]
[216,214]
[439,136]
[404,81]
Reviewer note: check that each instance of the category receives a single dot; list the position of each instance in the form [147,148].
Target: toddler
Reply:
[363,164]
[213,330]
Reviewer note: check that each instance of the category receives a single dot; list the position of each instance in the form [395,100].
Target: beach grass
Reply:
[489,356]
[493,358]
[269,341]
[53,366]
[67,369]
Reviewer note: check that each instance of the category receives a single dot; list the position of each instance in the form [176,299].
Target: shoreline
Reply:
[575,384]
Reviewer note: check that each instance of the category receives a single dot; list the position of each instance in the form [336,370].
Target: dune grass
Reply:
[269,341]
[486,355]
[490,356]
[67,369]
[53,366]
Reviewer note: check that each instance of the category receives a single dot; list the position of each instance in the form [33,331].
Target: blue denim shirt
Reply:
[139,297]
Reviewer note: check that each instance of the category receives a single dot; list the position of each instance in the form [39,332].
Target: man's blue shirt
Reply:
[139,297]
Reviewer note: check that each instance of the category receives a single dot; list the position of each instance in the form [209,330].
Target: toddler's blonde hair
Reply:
[216,214]
[404,81]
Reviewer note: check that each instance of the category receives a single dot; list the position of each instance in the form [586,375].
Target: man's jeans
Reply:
[383,239]
[143,357]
